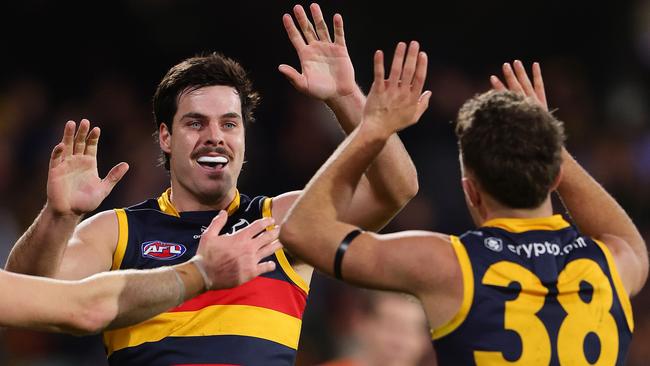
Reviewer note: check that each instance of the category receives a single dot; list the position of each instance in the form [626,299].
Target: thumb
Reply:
[423,104]
[114,176]
[217,223]
[295,78]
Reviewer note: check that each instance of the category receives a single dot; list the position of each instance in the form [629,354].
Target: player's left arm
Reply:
[592,208]
[327,74]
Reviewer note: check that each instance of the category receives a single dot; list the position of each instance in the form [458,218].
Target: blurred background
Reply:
[102,61]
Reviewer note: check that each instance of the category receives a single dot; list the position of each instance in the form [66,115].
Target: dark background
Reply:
[102,60]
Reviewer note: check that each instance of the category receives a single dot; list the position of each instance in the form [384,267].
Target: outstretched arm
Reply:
[73,189]
[121,298]
[595,211]
[327,74]
[314,227]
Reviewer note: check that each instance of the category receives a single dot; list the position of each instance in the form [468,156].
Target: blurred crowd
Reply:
[604,102]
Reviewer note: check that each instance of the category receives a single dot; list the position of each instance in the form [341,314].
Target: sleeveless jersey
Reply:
[257,323]
[536,292]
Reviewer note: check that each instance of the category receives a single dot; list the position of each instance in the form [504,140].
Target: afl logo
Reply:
[162,251]
[494,244]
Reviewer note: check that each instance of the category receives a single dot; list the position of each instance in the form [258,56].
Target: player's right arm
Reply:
[73,189]
[592,208]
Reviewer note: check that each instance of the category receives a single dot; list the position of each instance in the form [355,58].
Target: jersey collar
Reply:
[516,225]
[167,206]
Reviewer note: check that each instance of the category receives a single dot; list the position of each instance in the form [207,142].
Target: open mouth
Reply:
[212,162]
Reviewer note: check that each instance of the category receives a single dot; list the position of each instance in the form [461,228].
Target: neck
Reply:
[184,200]
[495,211]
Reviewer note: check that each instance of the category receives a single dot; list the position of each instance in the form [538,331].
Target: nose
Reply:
[213,134]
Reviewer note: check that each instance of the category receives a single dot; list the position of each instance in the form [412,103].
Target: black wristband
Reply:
[340,252]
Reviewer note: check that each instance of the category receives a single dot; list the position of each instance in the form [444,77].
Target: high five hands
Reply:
[398,102]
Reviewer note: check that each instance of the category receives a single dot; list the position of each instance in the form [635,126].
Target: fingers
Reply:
[497,84]
[68,138]
[398,60]
[305,25]
[265,239]
[379,70]
[409,64]
[538,84]
[216,224]
[321,26]
[92,141]
[296,79]
[265,267]
[269,249]
[294,35]
[511,79]
[256,227]
[339,34]
[57,153]
[80,137]
[524,81]
[420,73]
[114,176]
[423,104]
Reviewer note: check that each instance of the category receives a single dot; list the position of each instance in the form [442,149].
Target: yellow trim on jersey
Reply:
[240,320]
[623,297]
[279,254]
[551,223]
[468,290]
[122,238]
[166,205]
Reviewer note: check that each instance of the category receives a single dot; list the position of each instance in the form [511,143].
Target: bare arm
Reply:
[598,215]
[595,211]
[327,74]
[73,189]
[314,226]
[121,298]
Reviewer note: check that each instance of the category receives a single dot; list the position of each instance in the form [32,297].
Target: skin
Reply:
[122,298]
[423,263]
[208,120]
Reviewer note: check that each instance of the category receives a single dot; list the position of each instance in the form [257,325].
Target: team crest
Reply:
[162,251]
[494,244]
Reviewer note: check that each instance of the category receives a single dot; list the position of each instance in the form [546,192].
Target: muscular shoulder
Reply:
[99,231]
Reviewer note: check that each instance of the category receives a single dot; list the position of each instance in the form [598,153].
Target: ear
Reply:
[558,179]
[164,138]
[472,194]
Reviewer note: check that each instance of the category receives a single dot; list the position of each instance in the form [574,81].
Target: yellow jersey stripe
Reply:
[468,290]
[122,238]
[239,320]
[279,254]
[517,225]
[623,297]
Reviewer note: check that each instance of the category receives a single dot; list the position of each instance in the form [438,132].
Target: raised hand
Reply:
[230,260]
[517,81]
[327,70]
[398,102]
[73,184]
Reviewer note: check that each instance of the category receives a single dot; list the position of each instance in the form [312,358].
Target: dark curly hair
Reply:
[195,73]
[512,146]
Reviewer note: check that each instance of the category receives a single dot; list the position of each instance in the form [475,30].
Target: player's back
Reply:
[537,293]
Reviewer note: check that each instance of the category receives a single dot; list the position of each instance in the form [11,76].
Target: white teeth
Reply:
[213,159]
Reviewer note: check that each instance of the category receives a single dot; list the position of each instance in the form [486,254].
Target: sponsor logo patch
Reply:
[494,244]
[162,251]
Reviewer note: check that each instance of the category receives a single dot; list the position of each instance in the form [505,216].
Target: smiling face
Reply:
[206,147]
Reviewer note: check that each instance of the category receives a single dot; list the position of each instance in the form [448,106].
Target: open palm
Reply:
[327,70]
[73,184]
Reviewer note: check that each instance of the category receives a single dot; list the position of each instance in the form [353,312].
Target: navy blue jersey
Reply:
[536,292]
[257,323]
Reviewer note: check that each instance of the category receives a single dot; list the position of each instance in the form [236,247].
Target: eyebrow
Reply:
[203,116]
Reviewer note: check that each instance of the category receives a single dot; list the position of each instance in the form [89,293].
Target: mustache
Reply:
[204,150]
